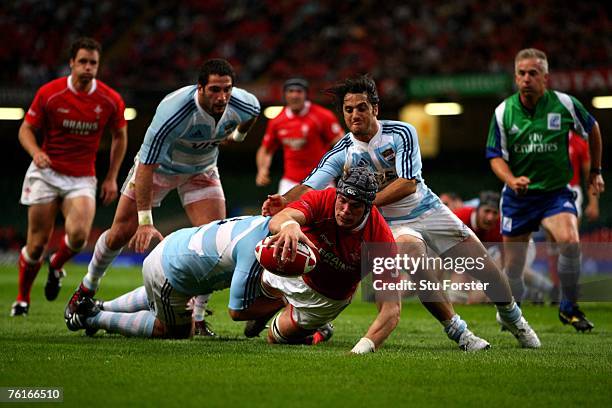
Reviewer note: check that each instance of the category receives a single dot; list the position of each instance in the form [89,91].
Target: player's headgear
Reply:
[296,82]
[359,183]
[489,198]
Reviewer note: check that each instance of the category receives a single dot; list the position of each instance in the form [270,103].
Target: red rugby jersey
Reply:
[72,123]
[338,270]
[579,154]
[468,216]
[305,138]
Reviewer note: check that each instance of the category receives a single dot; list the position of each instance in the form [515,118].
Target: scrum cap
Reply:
[360,184]
[296,82]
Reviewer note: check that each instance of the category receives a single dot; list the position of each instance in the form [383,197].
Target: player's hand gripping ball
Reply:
[305,260]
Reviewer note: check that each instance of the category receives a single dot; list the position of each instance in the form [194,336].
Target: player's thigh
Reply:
[310,309]
[206,210]
[203,197]
[79,213]
[41,219]
[563,227]
[442,230]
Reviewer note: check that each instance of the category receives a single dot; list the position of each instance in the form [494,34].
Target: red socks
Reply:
[63,254]
[27,274]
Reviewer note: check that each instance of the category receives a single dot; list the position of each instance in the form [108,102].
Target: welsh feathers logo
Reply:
[554,121]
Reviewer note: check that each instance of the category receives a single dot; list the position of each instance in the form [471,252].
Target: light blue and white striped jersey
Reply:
[216,256]
[183,138]
[393,152]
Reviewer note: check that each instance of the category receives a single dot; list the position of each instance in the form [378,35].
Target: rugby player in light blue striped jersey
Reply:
[417,217]
[179,152]
[186,263]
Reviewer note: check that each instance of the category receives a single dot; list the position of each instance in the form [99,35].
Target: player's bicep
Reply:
[494,148]
[407,154]
[583,120]
[329,168]
[35,115]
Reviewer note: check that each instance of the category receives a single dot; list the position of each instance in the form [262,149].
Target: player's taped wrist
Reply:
[145,217]
[238,136]
[364,346]
[290,222]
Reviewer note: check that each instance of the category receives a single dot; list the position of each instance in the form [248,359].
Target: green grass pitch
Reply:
[418,366]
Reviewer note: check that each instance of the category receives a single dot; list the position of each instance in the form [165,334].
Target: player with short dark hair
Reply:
[179,151]
[70,113]
[304,129]
[528,150]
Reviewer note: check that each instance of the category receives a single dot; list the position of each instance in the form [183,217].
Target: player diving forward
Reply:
[221,254]
[415,214]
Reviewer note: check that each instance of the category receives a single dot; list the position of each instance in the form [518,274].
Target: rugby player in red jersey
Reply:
[70,113]
[304,129]
[337,222]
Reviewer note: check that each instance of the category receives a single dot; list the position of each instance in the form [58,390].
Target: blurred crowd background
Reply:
[160,43]
[153,47]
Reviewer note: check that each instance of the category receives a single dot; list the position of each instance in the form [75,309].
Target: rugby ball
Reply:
[305,259]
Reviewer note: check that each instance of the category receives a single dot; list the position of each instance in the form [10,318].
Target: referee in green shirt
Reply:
[528,149]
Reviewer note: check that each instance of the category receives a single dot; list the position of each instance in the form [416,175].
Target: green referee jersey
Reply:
[536,143]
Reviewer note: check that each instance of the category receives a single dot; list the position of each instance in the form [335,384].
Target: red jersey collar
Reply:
[303,112]
[94,85]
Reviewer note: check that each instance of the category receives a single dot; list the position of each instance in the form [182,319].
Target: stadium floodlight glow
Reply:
[443,109]
[602,102]
[11,113]
[130,114]
[272,111]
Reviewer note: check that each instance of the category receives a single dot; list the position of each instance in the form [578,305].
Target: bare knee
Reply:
[36,249]
[77,239]
[570,249]
[237,315]
[159,329]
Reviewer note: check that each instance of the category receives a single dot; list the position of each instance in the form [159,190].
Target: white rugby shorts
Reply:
[190,187]
[285,185]
[169,305]
[310,309]
[439,228]
[41,186]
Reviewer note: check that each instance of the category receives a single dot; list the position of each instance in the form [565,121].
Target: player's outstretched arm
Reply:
[146,232]
[395,191]
[275,202]
[27,138]
[386,321]
[109,190]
